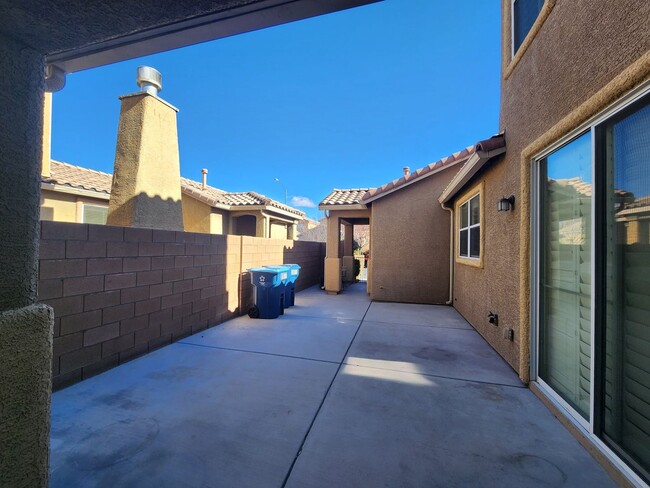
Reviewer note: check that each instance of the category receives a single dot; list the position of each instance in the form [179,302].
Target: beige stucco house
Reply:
[550,247]
[72,193]
[410,232]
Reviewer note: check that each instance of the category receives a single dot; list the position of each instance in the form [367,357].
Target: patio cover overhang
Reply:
[74,35]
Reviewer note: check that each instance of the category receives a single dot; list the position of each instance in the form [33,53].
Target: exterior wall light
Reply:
[506,204]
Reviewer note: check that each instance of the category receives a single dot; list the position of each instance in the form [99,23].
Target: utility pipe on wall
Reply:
[451,253]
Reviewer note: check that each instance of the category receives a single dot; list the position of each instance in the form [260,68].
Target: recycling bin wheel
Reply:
[253,312]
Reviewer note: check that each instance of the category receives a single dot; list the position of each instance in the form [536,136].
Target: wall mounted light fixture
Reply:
[506,204]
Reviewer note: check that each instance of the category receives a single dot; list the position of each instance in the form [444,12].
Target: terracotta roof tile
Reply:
[420,173]
[78,177]
[345,197]
[90,179]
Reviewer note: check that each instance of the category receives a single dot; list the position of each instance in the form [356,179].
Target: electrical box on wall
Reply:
[509,334]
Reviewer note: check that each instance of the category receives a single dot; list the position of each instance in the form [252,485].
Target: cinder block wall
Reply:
[120,292]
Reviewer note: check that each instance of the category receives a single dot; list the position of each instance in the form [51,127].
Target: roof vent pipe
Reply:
[149,80]
[204,172]
[407,171]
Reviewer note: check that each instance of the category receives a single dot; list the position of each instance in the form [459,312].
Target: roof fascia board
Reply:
[75,191]
[195,30]
[267,208]
[475,162]
[415,180]
[206,200]
[354,206]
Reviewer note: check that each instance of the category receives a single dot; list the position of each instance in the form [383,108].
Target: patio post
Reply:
[25,326]
[332,261]
[348,258]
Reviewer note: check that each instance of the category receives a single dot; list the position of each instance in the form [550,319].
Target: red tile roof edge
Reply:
[420,173]
[188,186]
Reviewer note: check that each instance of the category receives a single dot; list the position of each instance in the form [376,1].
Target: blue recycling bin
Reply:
[283,271]
[290,287]
[269,293]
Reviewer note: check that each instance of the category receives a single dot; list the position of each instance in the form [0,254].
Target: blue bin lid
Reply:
[265,277]
[294,271]
[282,269]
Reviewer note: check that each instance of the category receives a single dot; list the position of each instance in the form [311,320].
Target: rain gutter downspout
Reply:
[451,253]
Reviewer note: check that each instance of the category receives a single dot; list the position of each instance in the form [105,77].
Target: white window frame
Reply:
[587,428]
[83,210]
[469,227]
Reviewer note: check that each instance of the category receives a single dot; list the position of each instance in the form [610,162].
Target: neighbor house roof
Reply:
[77,177]
[65,174]
[345,197]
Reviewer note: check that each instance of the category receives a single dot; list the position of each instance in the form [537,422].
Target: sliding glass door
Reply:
[625,149]
[593,280]
[565,273]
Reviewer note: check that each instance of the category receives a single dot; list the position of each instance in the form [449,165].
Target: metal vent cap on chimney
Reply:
[149,79]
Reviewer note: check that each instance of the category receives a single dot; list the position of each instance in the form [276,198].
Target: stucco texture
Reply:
[494,286]
[21,99]
[409,243]
[25,386]
[146,189]
[196,215]
[583,57]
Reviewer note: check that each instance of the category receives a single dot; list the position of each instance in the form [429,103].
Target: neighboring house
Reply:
[74,194]
[312,230]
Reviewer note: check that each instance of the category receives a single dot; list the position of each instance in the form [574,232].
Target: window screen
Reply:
[95,214]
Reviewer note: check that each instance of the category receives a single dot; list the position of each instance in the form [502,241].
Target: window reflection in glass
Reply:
[626,402]
[565,273]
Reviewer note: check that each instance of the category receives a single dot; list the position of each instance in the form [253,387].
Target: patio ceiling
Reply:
[77,35]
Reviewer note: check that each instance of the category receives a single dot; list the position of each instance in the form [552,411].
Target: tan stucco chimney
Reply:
[204,172]
[146,189]
[407,171]
[47,135]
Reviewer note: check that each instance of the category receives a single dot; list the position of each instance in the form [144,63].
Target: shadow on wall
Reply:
[146,211]
[310,256]
[120,292]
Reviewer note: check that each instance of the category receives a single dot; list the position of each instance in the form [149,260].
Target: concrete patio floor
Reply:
[338,392]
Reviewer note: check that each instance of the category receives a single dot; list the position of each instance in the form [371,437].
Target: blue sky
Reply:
[338,101]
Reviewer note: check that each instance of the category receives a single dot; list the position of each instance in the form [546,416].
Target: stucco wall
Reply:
[278,231]
[569,72]
[25,345]
[119,292]
[495,286]
[65,207]
[196,215]
[409,243]
[146,190]
[219,221]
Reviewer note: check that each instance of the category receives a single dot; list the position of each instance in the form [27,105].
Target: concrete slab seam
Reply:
[256,352]
[313,420]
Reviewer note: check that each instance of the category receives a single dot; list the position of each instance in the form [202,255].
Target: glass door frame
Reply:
[591,428]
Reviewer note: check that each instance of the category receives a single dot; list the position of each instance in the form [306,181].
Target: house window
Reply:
[469,228]
[94,214]
[592,290]
[524,14]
